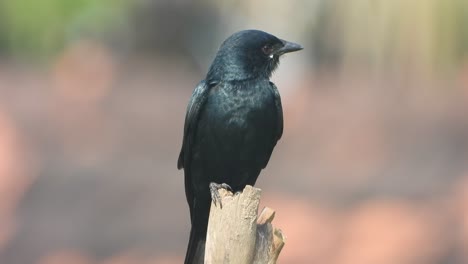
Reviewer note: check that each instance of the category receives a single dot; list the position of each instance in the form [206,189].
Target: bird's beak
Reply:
[288,47]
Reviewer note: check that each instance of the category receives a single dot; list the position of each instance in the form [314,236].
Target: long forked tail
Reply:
[196,247]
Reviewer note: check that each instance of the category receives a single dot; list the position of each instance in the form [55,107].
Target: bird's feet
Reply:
[214,190]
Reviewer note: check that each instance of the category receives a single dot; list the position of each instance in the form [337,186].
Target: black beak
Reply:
[288,47]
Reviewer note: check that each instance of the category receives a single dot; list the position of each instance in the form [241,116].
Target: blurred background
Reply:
[372,166]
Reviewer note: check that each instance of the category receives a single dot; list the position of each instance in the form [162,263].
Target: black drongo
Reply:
[233,122]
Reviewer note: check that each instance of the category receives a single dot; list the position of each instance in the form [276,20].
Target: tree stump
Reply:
[238,235]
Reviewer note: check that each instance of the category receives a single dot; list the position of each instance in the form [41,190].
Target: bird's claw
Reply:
[214,190]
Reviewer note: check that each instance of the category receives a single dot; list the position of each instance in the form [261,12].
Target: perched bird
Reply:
[232,124]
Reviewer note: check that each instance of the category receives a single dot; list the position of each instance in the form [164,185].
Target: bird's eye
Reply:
[267,49]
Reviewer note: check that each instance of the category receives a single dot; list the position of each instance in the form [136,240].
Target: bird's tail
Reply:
[196,246]
[199,215]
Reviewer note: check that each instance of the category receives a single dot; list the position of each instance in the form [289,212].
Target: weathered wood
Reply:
[237,235]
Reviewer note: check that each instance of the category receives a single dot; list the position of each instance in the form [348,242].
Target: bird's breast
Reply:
[241,105]
[236,132]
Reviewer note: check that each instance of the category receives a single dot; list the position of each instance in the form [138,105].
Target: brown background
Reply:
[372,167]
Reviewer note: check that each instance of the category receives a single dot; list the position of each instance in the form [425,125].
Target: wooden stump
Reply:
[237,235]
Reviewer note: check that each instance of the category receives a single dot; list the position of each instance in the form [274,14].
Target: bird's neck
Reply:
[228,69]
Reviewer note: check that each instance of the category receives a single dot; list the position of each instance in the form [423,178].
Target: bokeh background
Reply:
[372,167]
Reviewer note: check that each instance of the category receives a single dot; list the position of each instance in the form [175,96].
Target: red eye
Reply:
[267,49]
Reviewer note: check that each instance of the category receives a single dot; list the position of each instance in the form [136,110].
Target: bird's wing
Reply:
[199,95]
[279,123]
[279,112]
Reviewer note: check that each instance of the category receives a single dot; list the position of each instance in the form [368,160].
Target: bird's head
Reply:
[248,54]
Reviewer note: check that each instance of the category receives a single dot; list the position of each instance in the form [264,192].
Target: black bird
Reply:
[232,124]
